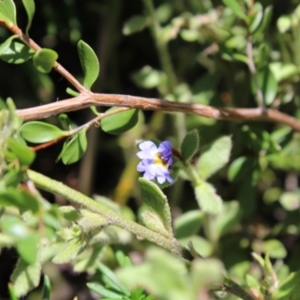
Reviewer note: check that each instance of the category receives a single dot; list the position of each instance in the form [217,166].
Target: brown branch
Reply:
[57,67]
[88,99]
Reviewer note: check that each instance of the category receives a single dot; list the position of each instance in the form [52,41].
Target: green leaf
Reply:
[14,227]
[152,221]
[148,77]
[236,8]
[40,132]
[89,63]
[289,289]
[8,12]
[274,248]
[120,122]
[27,248]
[30,10]
[208,200]
[67,254]
[283,71]
[190,145]
[256,20]
[241,168]
[102,291]
[12,294]
[206,273]
[46,288]
[91,220]
[26,277]
[21,151]
[290,200]
[188,224]
[200,245]
[44,60]
[135,24]
[229,218]
[157,202]
[72,92]
[284,23]
[14,52]
[267,17]
[74,149]
[109,276]
[268,84]
[214,157]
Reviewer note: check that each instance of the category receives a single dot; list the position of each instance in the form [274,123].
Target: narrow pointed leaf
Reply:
[236,8]
[74,149]
[89,63]
[190,145]
[44,60]
[102,291]
[30,9]
[40,132]
[157,202]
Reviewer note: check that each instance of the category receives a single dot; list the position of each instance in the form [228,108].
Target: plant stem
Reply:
[235,289]
[113,218]
[161,46]
[166,63]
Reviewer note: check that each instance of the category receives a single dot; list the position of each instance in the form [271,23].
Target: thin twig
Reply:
[88,99]
[58,67]
[77,129]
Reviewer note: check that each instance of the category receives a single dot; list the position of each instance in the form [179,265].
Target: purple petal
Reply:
[165,152]
[148,150]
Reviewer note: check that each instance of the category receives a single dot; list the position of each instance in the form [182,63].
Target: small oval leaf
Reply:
[120,122]
[14,52]
[89,63]
[190,145]
[135,24]
[74,149]
[21,151]
[44,60]
[40,132]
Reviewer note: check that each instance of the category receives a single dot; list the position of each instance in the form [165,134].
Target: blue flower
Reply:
[156,162]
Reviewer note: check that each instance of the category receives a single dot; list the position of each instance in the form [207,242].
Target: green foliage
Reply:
[208,200]
[30,10]
[8,12]
[44,60]
[157,203]
[120,122]
[40,132]
[190,145]
[135,24]
[74,149]
[89,64]
[214,157]
[14,52]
